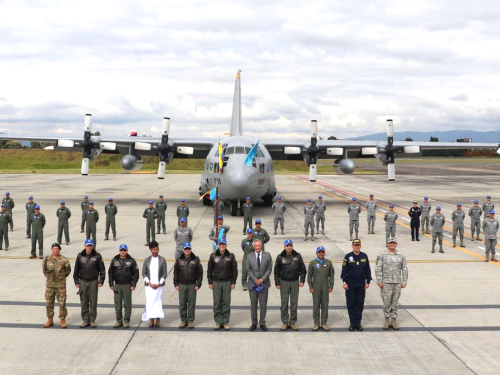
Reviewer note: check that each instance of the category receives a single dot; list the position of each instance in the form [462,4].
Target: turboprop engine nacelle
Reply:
[131,162]
[346,166]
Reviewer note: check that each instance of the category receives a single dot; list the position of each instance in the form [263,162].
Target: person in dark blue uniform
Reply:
[356,275]
[415,212]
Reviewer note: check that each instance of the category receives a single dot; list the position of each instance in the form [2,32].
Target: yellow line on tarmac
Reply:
[463,250]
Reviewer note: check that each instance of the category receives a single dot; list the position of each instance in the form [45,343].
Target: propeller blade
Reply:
[65,143]
[185,150]
[107,146]
[87,127]
[293,150]
[335,151]
[142,146]
[390,129]
[166,125]
[369,151]
[312,172]
[314,128]
[161,170]
[85,166]
[391,171]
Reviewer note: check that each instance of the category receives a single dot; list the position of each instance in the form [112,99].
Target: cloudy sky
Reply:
[349,65]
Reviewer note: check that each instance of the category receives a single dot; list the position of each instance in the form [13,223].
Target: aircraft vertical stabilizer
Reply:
[236,125]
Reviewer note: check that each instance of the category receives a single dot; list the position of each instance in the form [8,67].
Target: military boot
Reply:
[106,238]
[312,237]
[373,231]
[275,231]
[350,238]
[357,236]
[317,230]
[487,258]
[472,235]
[433,245]
[454,242]
[478,238]
[386,324]
[114,238]
[305,238]
[323,231]
[50,323]
[369,231]
[63,323]
[394,324]
[441,247]
[462,242]
[282,233]
[493,258]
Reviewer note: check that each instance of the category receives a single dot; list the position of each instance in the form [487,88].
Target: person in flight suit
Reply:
[63,214]
[84,206]
[150,214]
[320,277]
[458,217]
[371,214]
[475,220]
[161,207]
[414,213]
[91,218]
[353,210]
[260,233]
[490,227]
[9,204]
[247,209]
[279,209]
[390,218]
[110,210]
[182,211]
[437,223]
[309,212]
[426,212]
[4,227]
[289,275]
[37,225]
[320,207]
[30,210]
[356,275]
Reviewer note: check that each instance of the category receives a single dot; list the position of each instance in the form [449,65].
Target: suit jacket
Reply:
[266,267]
[162,270]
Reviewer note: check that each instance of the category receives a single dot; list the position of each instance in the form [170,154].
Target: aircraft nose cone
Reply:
[239,180]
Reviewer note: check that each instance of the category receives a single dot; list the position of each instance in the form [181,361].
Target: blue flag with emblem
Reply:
[251,155]
[213,194]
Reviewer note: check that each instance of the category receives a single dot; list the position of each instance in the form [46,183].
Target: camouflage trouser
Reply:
[160,222]
[475,226]
[390,294]
[353,224]
[281,221]
[50,295]
[371,221]
[424,223]
[437,236]
[458,228]
[309,224]
[320,219]
[490,246]
[390,231]
[178,251]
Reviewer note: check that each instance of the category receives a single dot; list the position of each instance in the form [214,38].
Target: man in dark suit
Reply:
[259,266]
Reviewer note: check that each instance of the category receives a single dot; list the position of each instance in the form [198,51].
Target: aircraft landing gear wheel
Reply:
[206,200]
[268,200]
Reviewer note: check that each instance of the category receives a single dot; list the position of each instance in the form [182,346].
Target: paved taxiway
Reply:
[449,312]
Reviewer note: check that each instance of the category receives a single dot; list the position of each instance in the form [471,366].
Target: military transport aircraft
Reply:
[236,179]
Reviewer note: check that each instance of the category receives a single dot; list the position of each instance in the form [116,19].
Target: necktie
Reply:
[258,261]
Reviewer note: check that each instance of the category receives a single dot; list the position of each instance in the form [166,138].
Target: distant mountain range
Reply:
[443,136]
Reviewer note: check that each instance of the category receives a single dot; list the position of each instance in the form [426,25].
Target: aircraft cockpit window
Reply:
[259,153]
[229,151]
[239,150]
[247,150]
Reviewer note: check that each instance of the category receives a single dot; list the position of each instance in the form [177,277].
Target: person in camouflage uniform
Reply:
[390,218]
[260,233]
[84,206]
[247,209]
[488,206]
[4,227]
[353,210]
[247,247]
[279,209]
[458,217]
[30,210]
[56,268]
[475,220]
[161,207]
[490,227]
[309,211]
[320,208]
[182,211]
[9,204]
[182,234]
[437,223]
[425,218]
[63,214]
[371,214]
[110,210]
[391,272]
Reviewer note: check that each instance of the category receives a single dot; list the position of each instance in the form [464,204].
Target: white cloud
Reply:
[349,65]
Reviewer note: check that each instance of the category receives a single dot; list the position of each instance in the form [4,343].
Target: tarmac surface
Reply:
[449,313]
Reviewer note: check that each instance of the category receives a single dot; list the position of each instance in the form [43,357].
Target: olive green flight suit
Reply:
[150,214]
[63,215]
[91,218]
[37,224]
[4,229]
[320,278]
[110,210]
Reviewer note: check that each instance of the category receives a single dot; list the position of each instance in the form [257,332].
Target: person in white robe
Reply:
[154,272]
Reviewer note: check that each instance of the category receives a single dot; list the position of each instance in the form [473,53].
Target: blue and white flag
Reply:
[213,194]
[251,155]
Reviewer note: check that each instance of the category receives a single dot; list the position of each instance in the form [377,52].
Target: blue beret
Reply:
[309,199]
[320,197]
[278,197]
[476,201]
[248,198]
[391,205]
[459,204]
[150,202]
[487,197]
[91,203]
[354,199]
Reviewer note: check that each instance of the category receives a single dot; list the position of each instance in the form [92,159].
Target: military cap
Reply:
[91,203]
[356,241]
[309,200]
[258,221]
[7,193]
[182,220]
[249,230]
[110,199]
[487,197]
[85,197]
[248,198]
[223,240]
[354,199]
[56,245]
[288,242]
[30,197]
[186,245]
[150,202]
[492,212]
[426,198]
[183,200]
[89,241]
[391,205]
[415,202]
[63,202]
[220,217]
[123,247]
[161,196]
[438,208]
[278,197]
[476,201]
[392,239]
[371,195]
[320,197]
[37,207]
[3,205]
[459,204]
[320,248]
